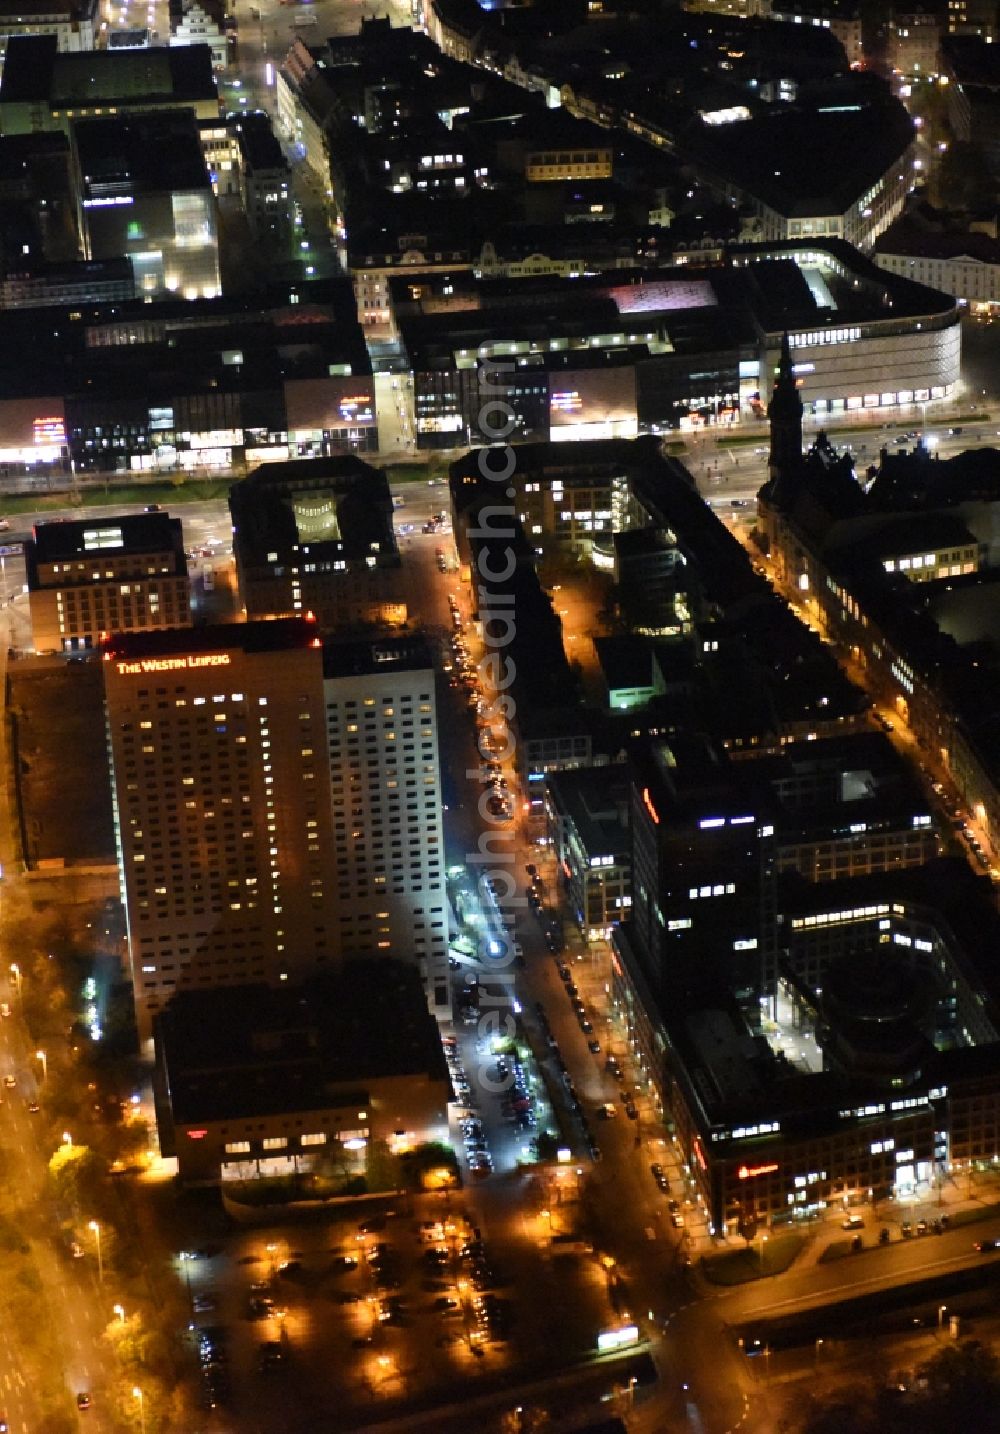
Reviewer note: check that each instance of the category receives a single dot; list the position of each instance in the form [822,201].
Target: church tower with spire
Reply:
[784,413]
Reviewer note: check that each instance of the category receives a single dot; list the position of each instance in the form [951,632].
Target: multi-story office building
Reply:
[90,578]
[252,1082]
[386,858]
[854,1058]
[846,807]
[702,861]
[45,89]
[221,794]
[587,812]
[143,190]
[593,357]
[265,184]
[37,200]
[841,17]
[316,536]
[188,383]
[876,1076]
[961,262]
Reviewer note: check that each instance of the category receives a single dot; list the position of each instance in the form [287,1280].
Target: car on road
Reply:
[4,1009]
[983,1246]
[853,1222]
[83,1400]
[271,1354]
[10,1081]
[660,1176]
[594,1047]
[607,1111]
[631,1111]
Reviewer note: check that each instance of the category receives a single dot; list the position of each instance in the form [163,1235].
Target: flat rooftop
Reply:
[36,72]
[24,12]
[244,1050]
[374,656]
[128,533]
[137,533]
[271,635]
[136,154]
[805,161]
[595,800]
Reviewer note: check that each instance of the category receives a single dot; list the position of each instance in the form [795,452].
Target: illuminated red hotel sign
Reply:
[187,663]
[647,802]
[750,1172]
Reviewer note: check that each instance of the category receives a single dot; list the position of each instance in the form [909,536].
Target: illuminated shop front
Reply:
[32,431]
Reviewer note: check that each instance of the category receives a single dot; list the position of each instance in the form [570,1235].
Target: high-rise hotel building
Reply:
[388,860]
[221,790]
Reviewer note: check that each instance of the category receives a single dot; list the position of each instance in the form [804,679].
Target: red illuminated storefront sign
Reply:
[750,1172]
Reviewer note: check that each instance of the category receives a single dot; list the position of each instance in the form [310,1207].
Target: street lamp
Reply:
[138,1394]
[942,1311]
[15,971]
[67,1139]
[119,1310]
[93,1225]
[41,1056]
[763,1250]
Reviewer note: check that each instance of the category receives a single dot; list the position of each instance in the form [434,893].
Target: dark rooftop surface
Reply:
[244,1050]
[761,287]
[35,71]
[338,506]
[140,533]
[734,1076]
[258,145]
[24,11]
[898,533]
[133,154]
[908,238]
[625,660]
[176,347]
[273,635]
[971,60]
[596,800]
[803,161]
[358,658]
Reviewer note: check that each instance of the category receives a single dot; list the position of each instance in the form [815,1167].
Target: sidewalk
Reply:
[952,1202]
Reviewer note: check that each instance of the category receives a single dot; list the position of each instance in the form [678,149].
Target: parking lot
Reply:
[401,1302]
